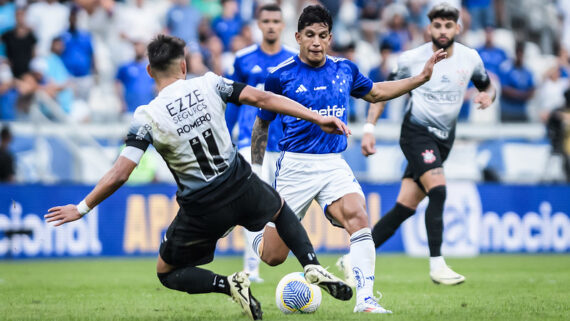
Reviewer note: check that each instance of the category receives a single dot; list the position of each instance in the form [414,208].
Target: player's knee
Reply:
[272,259]
[437,194]
[163,278]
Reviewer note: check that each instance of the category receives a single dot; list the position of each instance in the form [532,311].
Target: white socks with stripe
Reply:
[363,258]
[250,258]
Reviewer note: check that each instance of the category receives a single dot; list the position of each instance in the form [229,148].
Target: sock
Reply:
[250,256]
[434,219]
[389,223]
[195,280]
[436,263]
[295,237]
[362,259]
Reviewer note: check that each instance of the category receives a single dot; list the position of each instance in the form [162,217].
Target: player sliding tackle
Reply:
[216,187]
[310,166]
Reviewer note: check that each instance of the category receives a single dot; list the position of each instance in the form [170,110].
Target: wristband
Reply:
[368,128]
[83,208]
[256,168]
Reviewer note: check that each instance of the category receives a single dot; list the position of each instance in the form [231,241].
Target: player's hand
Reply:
[333,125]
[368,145]
[483,99]
[437,56]
[62,214]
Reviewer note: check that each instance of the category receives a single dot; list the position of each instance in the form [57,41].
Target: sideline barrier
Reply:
[478,219]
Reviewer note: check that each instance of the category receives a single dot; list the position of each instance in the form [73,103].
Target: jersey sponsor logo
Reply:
[184,107]
[320,88]
[256,69]
[442,134]
[443,97]
[197,123]
[445,79]
[429,157]
[329,111]
[143,131]
[301,89]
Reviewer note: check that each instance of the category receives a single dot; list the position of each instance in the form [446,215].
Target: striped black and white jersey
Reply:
[186,125]
[437,102]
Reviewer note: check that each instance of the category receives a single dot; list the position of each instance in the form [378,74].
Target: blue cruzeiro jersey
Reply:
[325,90]
[252,66]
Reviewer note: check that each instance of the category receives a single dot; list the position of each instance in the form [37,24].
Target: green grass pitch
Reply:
[498,287]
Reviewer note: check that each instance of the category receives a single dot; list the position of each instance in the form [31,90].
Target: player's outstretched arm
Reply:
[110,182]
[368,140]
[387,90]
[283,105]
[258,143]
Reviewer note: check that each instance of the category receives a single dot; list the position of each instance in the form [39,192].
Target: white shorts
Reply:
[268,167]
[300,178]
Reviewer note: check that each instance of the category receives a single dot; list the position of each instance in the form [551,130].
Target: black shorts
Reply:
[422,148]
[191,237]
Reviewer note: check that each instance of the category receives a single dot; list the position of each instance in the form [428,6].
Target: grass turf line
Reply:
[498,287]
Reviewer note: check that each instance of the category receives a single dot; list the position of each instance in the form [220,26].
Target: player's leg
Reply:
[257,213]
[250,258]
[177,262]
[409,197]
[434,183]
[350,212]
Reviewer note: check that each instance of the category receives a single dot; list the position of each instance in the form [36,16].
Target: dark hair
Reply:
[163,49]
[314,14]
[268,7]
[444,11]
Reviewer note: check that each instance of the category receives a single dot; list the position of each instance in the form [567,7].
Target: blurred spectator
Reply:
[228,24]
[78,56]
[558,131]
[7,169]
[564,12]
[20,44]
[48,19]
[182,21]
[551,92]
[7,19]
[382,71]
[138,22]
[397,34]
[8,94]
[418,10]
[133,84]
[491,55]
[517,87]
[482,13]
[208,8]
[54,78]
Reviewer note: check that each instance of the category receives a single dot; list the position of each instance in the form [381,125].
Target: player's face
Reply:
[271,25]
[314,41]
[443,32]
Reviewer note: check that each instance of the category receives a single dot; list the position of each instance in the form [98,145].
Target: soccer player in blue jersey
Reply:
[310,166]
[251,67]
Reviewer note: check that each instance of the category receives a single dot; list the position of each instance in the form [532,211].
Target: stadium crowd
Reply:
[84,60]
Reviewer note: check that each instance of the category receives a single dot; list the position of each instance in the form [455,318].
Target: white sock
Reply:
[251,252]
[363,258]
[436,263]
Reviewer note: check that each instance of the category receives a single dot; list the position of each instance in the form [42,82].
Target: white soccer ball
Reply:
[295,294]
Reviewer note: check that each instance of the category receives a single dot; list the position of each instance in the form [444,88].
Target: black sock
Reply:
[434,219]
[295,237]
[389,223]
[195,280]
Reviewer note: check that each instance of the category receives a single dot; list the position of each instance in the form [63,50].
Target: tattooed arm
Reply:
[259,141]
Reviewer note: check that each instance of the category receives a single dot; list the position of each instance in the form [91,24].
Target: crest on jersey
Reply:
[225,87]
[429,157]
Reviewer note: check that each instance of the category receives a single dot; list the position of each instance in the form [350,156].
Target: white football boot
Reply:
[239,289]
[446,276]
[318,275]
[370,305]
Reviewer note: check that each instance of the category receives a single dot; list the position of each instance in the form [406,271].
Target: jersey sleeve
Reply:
[273,85]
[140,131]
[361,85]
[403,69]
[227,89]
[480,78]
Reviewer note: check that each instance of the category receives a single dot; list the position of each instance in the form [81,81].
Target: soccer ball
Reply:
[295,294]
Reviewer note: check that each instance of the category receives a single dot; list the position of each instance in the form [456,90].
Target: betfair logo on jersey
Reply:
[329,111]
[443,97]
